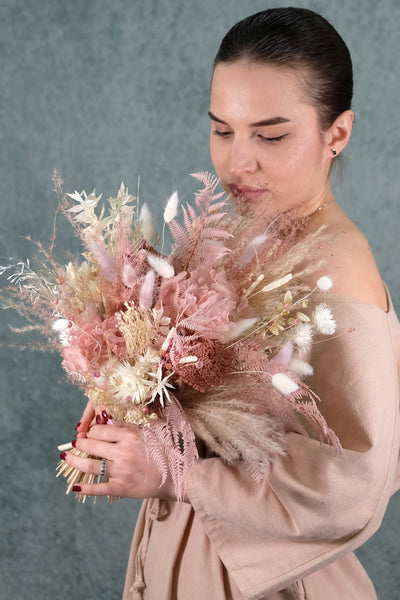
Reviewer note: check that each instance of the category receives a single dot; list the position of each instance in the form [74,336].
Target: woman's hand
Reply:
[87,419]
[131,472]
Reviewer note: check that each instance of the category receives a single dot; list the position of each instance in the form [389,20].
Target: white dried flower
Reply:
[323,320]
[146,223]
[300,367]
[131,383]
[161,266]
[324,283]
[171,208]
[60,325]
[161,322]
[303,335]
[186,360]
[161,387]
[63,327]
[167,340]
[284,384]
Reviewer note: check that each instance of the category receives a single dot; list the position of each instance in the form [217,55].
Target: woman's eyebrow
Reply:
[272,121]
[264,123]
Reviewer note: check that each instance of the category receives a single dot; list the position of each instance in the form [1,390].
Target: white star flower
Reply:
[161,386]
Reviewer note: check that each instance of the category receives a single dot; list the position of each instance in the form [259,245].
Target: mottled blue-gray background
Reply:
[106,91]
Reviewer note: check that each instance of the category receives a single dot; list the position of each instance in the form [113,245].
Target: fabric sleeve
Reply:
[317,503]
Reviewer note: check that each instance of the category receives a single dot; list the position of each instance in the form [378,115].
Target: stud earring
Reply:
[334,151]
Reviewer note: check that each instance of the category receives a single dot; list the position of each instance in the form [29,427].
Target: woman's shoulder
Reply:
[350,262]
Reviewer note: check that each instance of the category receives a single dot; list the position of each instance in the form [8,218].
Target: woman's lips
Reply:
[246,192]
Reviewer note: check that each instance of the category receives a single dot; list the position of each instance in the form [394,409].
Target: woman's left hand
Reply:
[131,472]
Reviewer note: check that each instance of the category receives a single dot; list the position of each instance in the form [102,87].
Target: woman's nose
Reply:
[242,160]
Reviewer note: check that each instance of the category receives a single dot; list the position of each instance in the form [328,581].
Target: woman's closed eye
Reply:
[263,138]
[222,133]
[271,140]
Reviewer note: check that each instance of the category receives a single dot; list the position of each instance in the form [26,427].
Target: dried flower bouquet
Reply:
[202,345]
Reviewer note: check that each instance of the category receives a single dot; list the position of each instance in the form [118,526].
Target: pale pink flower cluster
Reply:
[204,302]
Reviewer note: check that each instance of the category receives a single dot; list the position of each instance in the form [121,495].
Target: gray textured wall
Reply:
[105,91]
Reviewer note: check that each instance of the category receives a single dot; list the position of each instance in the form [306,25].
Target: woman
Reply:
[280,117]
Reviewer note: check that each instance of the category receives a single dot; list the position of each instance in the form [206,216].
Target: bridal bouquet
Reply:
[204,344]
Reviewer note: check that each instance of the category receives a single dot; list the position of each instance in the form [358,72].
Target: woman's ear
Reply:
[339,132]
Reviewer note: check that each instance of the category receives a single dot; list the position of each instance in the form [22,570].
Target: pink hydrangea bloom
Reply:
[204,302]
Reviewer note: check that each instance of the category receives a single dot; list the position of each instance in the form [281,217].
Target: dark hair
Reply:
[297,38]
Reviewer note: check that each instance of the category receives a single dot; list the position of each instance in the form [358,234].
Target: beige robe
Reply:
[292,536]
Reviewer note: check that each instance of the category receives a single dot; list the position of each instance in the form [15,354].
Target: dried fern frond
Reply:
[193,240]
[171,443]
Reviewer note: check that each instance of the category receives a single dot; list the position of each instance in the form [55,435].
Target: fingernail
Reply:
[76,488]
[78,425]
[73,443]
[98,419]
[63,455]
[104,414]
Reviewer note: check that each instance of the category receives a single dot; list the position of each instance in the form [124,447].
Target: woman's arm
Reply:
[317,503]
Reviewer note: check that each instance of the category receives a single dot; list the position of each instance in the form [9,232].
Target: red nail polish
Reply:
[77,426]
[104,414]
[98,419]
[76,488]
[63,455]
[73,443]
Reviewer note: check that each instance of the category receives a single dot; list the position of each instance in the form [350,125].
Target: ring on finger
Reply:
[103,467]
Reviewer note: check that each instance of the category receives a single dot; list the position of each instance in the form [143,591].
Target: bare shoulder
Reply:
[350,262]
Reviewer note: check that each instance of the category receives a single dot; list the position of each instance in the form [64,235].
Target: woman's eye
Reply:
[221,133]
[272,140]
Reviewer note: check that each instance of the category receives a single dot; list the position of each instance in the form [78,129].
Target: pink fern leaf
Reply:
[217,207]
[171,443]
[215,217]
[210,251]
[155,450]
[179,235]
[209,180]
[190,213]
[188,219]
[216,233]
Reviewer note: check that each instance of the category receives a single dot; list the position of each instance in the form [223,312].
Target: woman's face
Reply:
[266,145]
